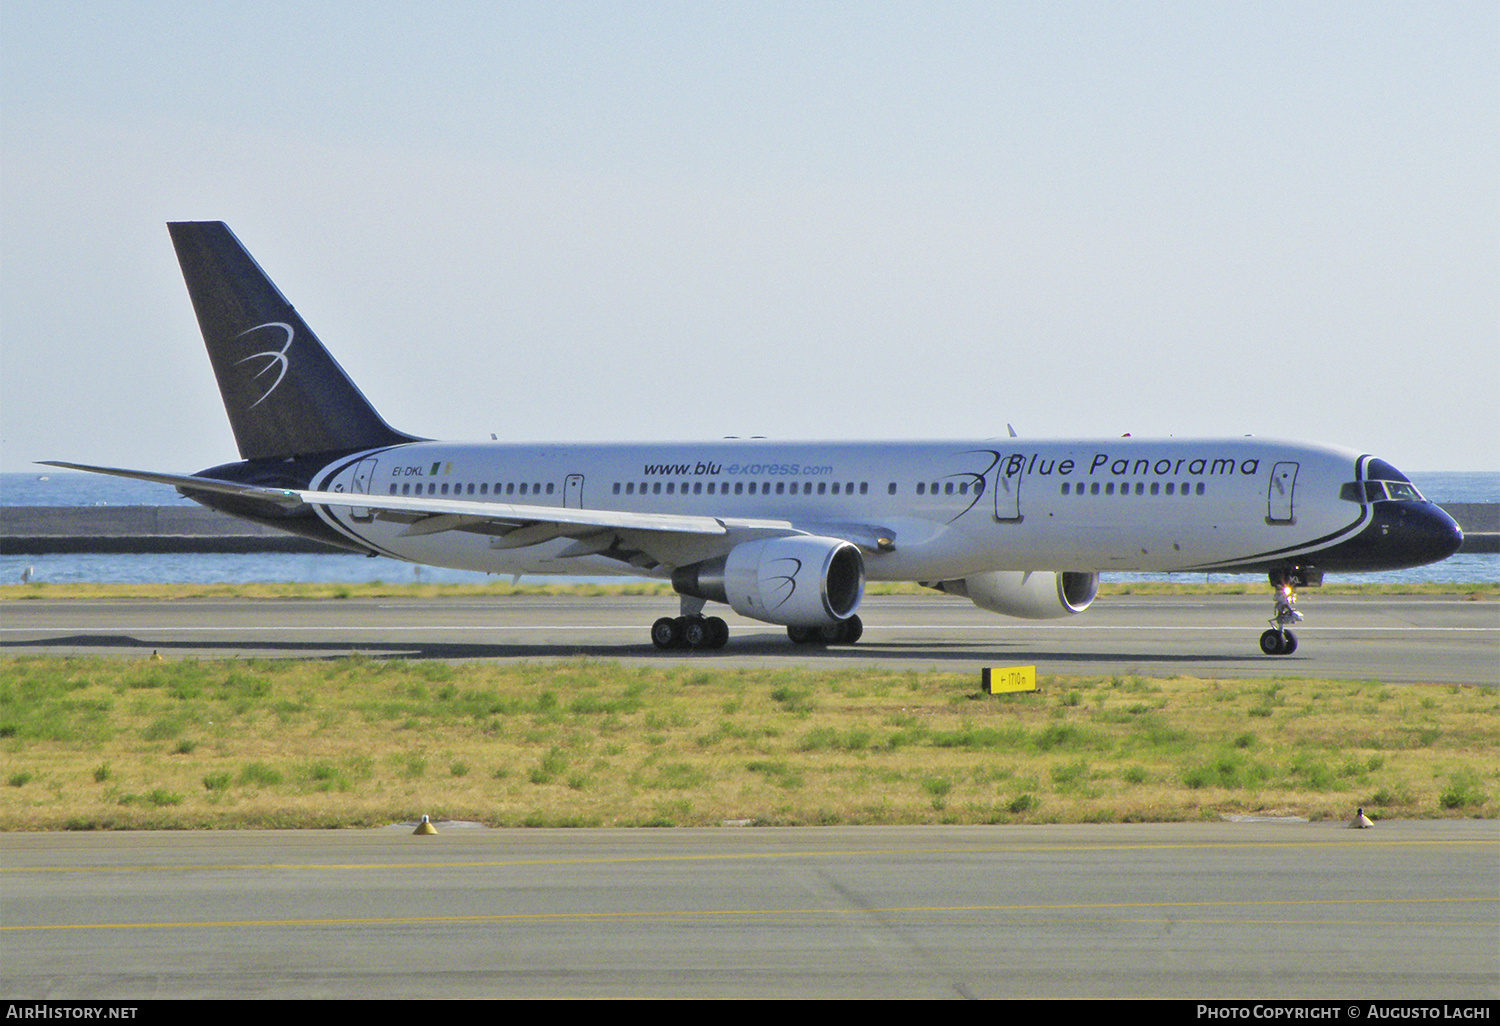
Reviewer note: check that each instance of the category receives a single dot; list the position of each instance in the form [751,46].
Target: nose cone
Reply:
[1399,535]
[1414,534]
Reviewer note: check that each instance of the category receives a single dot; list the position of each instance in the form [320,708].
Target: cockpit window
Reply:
[1378,491]
[1382,482]
[1401,490]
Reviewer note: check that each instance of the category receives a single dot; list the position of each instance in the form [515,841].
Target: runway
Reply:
[1399,639]
[1206,911]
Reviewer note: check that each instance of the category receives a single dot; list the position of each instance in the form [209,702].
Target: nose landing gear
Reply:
[1279,640]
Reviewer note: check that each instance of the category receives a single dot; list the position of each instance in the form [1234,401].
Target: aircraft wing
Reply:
[643,539]
[430,515]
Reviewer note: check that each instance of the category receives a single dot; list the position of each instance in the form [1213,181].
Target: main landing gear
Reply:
[845,632]
[1279,640]
[689,632]
[694,630]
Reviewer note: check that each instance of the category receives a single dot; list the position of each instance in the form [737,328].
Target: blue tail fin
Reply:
[284,394]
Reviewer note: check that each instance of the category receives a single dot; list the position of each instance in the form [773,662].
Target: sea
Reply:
[67,488]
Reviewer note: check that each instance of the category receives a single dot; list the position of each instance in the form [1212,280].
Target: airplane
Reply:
[786,533]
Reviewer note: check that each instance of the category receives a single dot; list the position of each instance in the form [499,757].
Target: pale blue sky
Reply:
[805,220]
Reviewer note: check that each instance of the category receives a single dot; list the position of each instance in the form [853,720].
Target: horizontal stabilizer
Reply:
[281,496]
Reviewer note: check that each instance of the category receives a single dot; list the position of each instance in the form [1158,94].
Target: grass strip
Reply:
[167,744]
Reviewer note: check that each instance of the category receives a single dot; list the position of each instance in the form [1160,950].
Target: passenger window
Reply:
[921,488]
[1155,487]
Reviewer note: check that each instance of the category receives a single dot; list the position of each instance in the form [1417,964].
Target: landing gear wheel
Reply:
[664,633]
[1270,643]
[696,633]
[854,629]
[719,631]
[845,632]
[1289,643]
[802,635]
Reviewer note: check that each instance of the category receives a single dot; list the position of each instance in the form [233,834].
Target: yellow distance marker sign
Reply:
[997,680]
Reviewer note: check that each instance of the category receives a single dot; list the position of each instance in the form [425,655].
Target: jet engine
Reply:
[800,581]
[1031,595]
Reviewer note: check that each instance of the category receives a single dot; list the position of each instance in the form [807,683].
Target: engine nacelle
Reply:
[800,581]
[1033,595]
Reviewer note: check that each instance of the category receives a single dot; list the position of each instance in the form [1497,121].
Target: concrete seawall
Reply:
[43,530]
[40,530]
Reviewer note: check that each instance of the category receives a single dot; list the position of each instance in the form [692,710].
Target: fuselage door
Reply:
[359,484]
[1280,508]
[573,491]
[1008,488]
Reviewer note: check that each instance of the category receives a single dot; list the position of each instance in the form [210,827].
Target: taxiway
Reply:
[1398,639]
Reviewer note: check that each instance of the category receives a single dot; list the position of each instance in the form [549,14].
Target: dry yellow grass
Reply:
[110,743]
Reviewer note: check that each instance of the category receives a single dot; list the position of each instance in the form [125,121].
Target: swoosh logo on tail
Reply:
[274,358]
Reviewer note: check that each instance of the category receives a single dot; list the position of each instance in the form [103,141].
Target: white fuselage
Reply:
[946,509]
